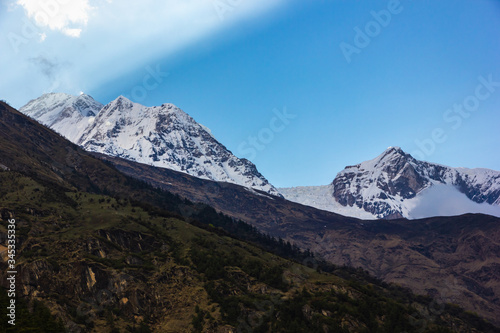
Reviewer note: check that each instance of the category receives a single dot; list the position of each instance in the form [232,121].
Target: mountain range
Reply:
[103,250]
[393,185]
[99,251]
[163,136]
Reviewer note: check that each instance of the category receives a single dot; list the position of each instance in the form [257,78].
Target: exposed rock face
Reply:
[394,184]
[381,185]
[398,177]
[478,191]
[95,287]
[372,186]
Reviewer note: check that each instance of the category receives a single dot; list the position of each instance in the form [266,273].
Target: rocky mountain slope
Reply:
[102,264]
[163,136]
[395,184]
[106,253]
[453,258]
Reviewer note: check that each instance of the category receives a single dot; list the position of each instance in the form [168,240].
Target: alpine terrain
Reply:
[162,136]
[97,251]
[66,114]
[395,185]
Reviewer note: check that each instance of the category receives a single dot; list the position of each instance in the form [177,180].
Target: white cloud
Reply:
[160,28]
[68,17]
[72,32]
[115,38]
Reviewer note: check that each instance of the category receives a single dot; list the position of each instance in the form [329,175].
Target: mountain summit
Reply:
[66,114]
[162,136]
[394,184]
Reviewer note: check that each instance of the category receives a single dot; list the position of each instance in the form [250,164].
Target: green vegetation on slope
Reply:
[105,264]
[107,253]
[35,319]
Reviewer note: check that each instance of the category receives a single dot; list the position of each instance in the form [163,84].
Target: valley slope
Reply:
[106,253]
[455,258]
[402,251]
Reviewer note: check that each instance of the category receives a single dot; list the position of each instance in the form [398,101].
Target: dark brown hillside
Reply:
[456,259]
[38,152]
[85,227]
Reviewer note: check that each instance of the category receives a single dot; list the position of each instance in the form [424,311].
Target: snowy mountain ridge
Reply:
[392,185]
[395,184]
[66,114]
[162,136]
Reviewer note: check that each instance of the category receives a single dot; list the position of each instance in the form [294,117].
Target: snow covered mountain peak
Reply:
[163,136]
[391,156]
[379,185]
[66,114]
[394,184]
[166,136]
[125,108]
[391,153]
[121,101]
[53,102]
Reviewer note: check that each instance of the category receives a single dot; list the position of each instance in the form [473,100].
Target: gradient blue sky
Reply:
[233,70]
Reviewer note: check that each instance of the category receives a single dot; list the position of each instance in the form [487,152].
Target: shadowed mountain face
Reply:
[76,241]
[456,259]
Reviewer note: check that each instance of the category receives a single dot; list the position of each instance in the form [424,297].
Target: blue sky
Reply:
[302,88]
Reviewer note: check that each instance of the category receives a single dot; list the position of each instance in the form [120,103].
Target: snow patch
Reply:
[445,200]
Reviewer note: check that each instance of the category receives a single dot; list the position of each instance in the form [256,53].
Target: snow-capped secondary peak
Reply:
[86,105]
[395,149]
[391,156]
[394,184]
[121,103]
[66,114]
[56,102]
[379,185]
[163,136]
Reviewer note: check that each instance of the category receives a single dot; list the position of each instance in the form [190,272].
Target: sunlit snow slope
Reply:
[66,114]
